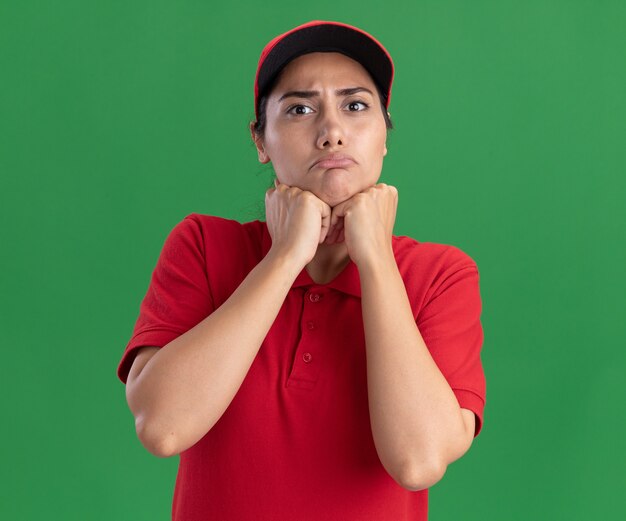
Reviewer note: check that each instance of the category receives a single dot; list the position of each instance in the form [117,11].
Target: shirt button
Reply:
[314,297]
[307,357]
[310,324]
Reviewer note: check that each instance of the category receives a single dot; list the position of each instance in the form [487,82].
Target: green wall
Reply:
[117,119]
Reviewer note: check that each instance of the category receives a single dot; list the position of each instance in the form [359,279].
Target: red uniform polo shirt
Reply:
[295,444]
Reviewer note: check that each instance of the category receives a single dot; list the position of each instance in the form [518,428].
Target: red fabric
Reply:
[295,442]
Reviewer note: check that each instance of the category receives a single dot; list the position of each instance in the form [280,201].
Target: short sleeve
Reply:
[178,295]
[451,328]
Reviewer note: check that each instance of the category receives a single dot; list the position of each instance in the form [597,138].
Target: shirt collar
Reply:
[347,281]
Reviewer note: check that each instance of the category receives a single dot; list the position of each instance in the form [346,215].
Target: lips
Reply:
[334,161]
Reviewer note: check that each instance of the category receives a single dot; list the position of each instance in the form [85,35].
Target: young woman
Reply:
[313,366]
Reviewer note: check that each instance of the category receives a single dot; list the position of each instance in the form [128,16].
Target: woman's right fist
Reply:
[297,221]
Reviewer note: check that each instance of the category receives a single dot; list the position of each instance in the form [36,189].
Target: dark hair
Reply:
[259,124]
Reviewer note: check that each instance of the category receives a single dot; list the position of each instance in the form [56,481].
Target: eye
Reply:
[356,104]
[299,110]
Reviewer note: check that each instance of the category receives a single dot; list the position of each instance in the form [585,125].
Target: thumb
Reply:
[337,212]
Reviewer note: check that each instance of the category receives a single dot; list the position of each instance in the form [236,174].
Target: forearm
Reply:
[415,417]
[187,385]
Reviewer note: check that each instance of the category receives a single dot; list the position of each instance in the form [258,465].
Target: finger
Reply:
[324,229]
[326,217]
[329,234]
[333,218]
[270,194]
[337,212]
[331,231]
[324,237]
[335,231]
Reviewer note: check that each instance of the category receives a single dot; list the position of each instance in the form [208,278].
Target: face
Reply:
[325,105]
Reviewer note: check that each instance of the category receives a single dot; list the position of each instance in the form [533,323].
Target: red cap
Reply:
[322,36]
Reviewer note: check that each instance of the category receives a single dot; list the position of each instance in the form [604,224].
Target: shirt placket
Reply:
[308,359]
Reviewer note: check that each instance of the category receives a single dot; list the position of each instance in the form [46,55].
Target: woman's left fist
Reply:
[365,222]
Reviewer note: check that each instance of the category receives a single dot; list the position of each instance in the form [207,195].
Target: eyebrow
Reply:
[313,93]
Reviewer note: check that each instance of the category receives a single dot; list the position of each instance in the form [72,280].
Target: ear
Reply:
[384,149]
[258,142]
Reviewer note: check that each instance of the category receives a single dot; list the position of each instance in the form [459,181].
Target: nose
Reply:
[331,132]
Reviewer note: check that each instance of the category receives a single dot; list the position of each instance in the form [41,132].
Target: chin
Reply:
[340,199]
[334,201]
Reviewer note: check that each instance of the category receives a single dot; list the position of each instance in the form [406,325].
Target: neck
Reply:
[328,262]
